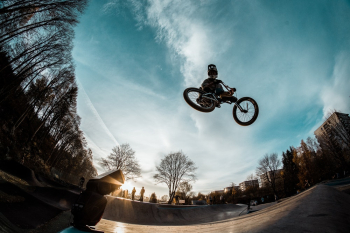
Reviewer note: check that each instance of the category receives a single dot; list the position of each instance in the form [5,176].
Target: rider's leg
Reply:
[219,91]
[225,94]
[229,98]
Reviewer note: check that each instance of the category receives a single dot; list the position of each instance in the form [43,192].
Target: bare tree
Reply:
[19,17]
[184,190]
[123,158]
[37,36]
[164,198]
[175,168]
[36,40]
[268,170]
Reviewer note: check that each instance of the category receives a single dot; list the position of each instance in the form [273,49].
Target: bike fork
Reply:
[240,108]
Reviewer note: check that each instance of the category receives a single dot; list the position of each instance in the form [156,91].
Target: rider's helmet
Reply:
[212,71]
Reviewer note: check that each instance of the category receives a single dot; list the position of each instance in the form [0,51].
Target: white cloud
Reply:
[182,28]
[254,51]
[336,94]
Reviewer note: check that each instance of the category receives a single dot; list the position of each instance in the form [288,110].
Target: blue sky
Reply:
[134,59]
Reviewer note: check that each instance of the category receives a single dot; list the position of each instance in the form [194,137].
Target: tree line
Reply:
[40,126]
[317,159]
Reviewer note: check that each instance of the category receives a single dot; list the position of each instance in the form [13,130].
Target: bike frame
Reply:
[206,95]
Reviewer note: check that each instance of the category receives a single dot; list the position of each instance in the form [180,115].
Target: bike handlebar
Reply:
[228,88]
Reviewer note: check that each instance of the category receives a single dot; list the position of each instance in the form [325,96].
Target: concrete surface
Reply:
[338,182]
[319,209]
[127,211]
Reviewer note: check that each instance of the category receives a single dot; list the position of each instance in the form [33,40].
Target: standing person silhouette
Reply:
[133,194]
[81,182]
[142,192]
[176,199]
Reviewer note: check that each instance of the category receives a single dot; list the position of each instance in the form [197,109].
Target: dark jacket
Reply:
[210,85]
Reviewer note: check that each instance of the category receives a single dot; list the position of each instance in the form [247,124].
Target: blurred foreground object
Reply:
[90,205]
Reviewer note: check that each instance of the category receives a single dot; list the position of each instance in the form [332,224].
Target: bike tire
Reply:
[236,110]
[195,105]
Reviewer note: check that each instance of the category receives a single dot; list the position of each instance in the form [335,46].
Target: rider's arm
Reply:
[209,83]
[206,83]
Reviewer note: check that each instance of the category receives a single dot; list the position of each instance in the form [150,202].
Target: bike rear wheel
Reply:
[249,114]
[193,96]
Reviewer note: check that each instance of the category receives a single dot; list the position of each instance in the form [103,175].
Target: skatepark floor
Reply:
[135,212]
[24,206]
[319,209]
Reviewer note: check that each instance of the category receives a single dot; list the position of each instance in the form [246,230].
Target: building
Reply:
[248,183]
[334,130]
[276,173]
[229,189]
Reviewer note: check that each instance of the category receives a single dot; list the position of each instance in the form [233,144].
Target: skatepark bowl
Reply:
[318,209]
[135,212]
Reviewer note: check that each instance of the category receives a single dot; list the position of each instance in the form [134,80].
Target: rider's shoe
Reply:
[218,103]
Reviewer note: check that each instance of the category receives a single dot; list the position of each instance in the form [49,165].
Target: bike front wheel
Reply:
[193,96]
[249,112]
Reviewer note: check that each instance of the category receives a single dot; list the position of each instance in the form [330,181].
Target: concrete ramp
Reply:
[319,209]
[127,211]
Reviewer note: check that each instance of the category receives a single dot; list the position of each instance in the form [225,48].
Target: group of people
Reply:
[142,192]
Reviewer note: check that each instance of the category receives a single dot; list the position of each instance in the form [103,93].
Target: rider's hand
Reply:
[218,81]
[232,91]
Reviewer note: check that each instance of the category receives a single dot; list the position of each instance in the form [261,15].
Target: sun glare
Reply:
[127,186]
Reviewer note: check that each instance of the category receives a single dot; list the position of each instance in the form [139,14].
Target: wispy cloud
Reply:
[281,54]
[181,26]
[336,95]
[100,122]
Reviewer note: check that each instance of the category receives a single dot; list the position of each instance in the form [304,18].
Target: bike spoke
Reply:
[195,95]
[249,107]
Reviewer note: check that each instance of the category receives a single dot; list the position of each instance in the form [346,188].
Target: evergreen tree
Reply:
[290,172]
